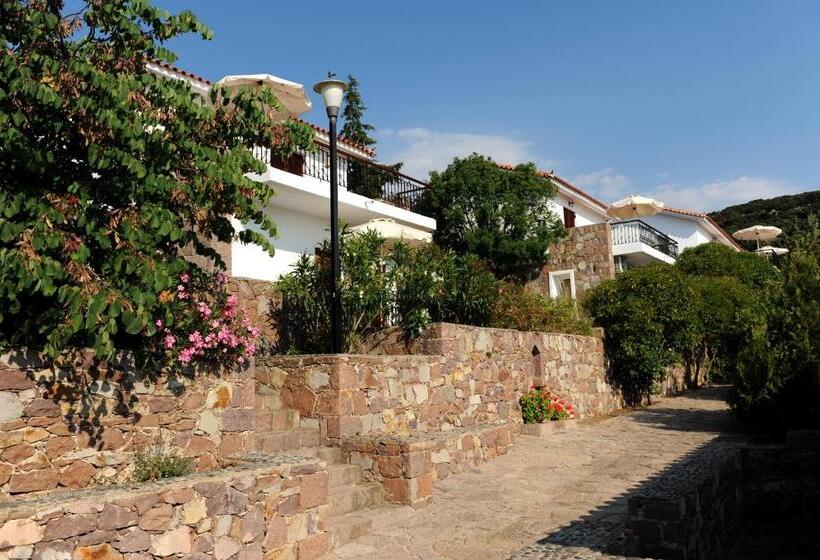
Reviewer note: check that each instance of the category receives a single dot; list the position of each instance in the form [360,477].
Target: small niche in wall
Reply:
[538,379]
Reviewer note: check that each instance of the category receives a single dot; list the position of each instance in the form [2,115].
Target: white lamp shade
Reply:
[332,92]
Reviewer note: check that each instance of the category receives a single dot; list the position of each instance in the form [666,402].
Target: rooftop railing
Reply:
[637,231]
[355,174]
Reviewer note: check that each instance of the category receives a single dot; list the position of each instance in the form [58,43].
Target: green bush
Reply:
[367,293]
[717,260]
[437,285]
[522,309]
[158,463]
[776,376]
[651,320]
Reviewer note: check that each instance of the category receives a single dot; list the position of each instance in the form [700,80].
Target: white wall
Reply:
[298,233]
[584,216]
[687,232]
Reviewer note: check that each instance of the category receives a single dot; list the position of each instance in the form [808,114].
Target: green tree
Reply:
[503,217]
[107,171]
[354,128]
[363,179]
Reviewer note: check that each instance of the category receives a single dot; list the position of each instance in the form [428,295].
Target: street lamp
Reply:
[332,91]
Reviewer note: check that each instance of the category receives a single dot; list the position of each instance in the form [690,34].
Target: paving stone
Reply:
[560,497]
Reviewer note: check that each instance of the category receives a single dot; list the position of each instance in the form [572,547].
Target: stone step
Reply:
[331,455]
[347,499]
[347,528]
[343,475]
[286,440]
[277,420]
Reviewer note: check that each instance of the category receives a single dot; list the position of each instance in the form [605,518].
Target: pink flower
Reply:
[159,323]
[204,309]
[169,341]
[185,355]
[222,278]
[185,277]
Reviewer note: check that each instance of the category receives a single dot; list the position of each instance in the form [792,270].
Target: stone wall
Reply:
[408,466]
[587,250]
[255,301]
[77,425]
[467,376]
[693,511]
[271,507]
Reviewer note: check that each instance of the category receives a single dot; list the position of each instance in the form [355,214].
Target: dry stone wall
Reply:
[270,507]
[408,466]
[78,425]
[457,377]
[693,511]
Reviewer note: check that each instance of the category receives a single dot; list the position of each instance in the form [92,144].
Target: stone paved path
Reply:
[565,490]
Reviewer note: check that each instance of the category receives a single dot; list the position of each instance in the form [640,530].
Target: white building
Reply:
[301,205]
[598,246]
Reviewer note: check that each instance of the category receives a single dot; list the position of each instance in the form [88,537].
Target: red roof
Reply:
[370,151]
[552,175]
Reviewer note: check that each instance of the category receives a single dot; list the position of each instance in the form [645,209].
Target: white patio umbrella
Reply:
[394,231]
[769,250]
[758,233]
[291,95]
[634,206]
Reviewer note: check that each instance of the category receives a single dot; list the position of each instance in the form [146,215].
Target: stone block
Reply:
[313,490]
[176,541]
[20,532]
[97,552]
[314,546]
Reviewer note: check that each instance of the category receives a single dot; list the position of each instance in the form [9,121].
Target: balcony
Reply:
[357,175]
[640,244]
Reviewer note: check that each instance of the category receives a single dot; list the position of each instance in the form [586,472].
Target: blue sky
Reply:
[699,103]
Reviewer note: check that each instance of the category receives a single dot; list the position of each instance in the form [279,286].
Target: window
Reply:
[569,218]
[562,284]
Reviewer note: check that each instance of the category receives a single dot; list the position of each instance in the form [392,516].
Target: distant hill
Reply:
[789,213]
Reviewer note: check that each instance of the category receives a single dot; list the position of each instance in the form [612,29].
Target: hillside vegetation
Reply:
[790,213]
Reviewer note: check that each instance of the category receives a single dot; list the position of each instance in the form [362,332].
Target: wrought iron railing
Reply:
[356,174]
[636,231]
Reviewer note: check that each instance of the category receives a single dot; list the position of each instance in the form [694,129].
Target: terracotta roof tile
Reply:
[554,176]
[370,151]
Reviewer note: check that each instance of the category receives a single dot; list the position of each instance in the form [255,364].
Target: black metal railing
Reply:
[636,231]
[356,174]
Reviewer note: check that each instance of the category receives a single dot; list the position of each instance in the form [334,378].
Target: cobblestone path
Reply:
[562,496]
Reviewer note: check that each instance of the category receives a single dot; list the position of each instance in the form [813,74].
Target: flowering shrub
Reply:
[203,324]
[541,405]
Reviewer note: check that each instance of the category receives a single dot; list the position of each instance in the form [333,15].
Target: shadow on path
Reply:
[602,529]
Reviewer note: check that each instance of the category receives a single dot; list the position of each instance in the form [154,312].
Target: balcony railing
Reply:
[636,231]
[355,174]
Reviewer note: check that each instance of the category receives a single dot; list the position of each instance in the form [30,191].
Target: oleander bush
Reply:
[438,285]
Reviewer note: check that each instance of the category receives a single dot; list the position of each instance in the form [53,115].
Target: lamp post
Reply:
[332,91]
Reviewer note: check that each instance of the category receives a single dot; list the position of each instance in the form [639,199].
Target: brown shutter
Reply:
[569,218]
